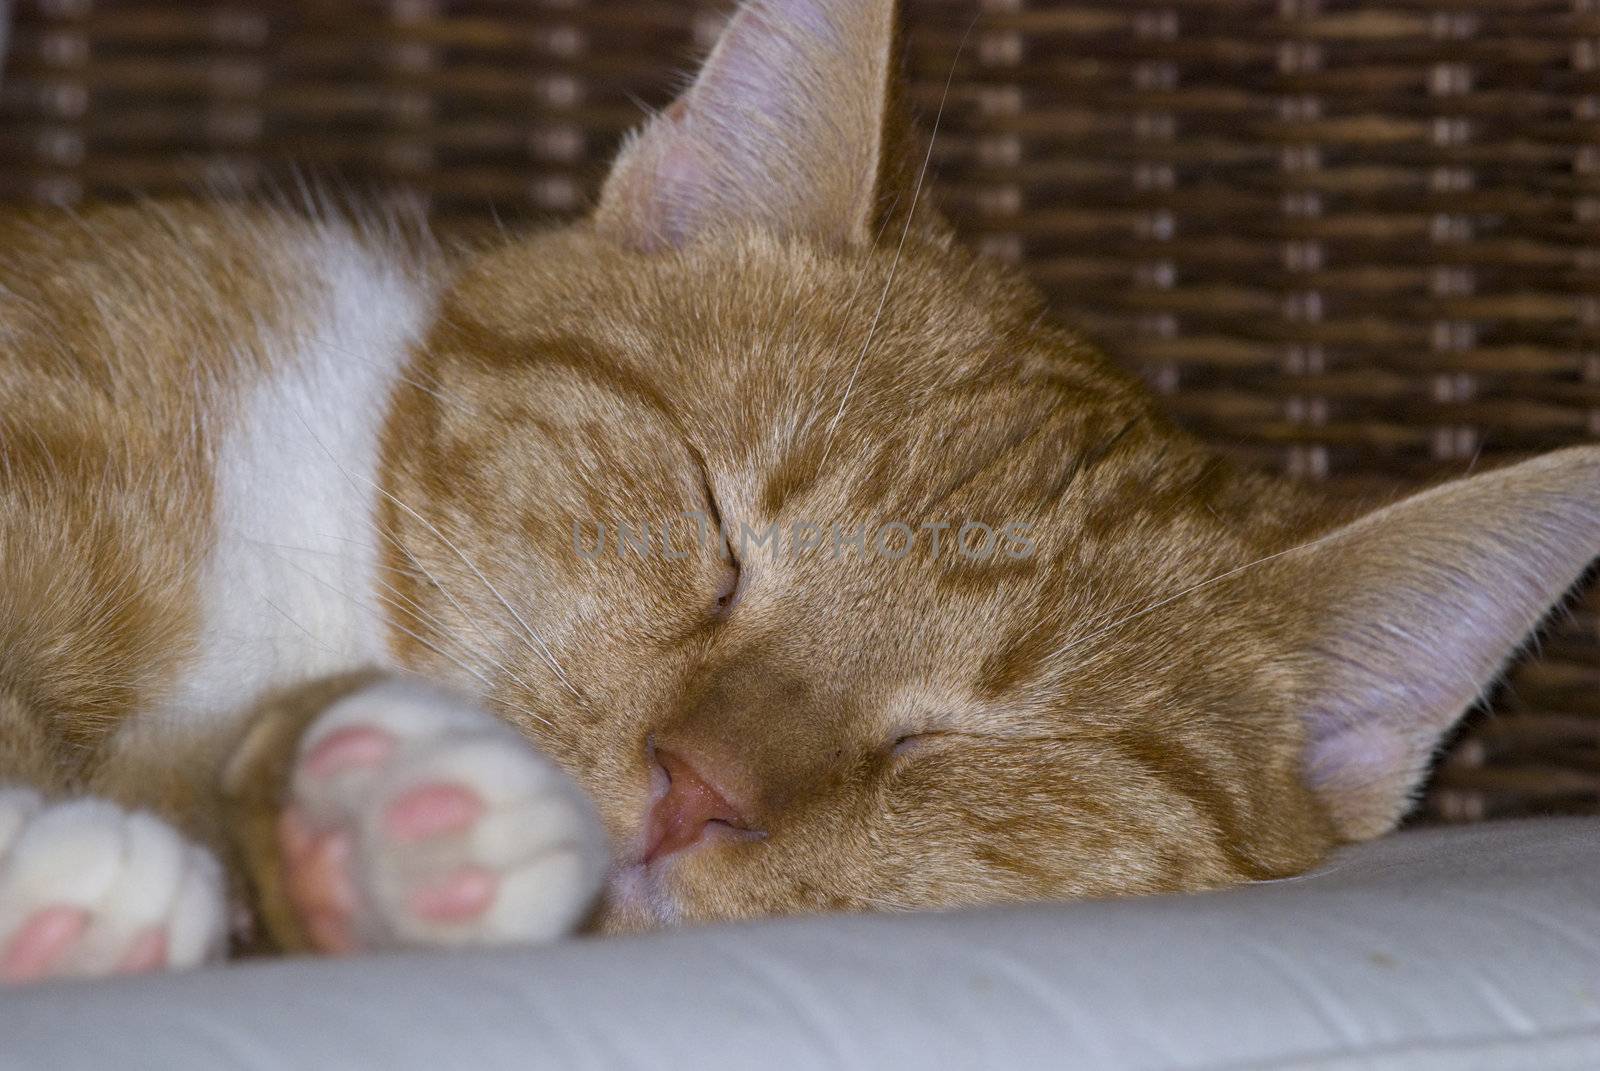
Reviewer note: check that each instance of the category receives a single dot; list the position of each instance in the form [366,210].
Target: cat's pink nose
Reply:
[691,803]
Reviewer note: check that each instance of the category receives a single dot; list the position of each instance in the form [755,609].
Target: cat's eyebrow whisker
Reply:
[411,605]
[894,265]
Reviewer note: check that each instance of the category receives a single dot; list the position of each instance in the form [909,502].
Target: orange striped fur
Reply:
[243,451]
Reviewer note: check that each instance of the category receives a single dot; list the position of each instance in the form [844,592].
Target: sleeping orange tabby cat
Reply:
[746,548]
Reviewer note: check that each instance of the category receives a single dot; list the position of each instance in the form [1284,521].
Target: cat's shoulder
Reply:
[175,291]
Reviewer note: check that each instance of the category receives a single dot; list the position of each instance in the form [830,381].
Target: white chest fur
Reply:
[290,589]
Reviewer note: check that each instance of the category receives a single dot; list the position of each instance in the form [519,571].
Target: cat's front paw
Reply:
[89,889]
[416,818]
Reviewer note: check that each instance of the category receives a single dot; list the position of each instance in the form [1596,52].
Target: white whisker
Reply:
[502,665]
[894,265]
[281,612]
[1235,571]
[538,644]
[364,608]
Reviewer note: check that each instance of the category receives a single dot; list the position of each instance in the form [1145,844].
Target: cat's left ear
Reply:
[791,126]
[1411,612]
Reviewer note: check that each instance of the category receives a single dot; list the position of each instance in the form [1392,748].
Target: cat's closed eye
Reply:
[910,743]
[730,581]
[729,588]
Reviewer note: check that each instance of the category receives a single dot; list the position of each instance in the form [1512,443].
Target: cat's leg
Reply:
[87,886]
[372,811]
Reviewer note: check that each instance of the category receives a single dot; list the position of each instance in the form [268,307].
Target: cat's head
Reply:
[985,626]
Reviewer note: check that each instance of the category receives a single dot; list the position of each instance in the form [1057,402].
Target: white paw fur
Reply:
[537,834]
[128,873]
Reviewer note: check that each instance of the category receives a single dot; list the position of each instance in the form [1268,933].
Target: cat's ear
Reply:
[1413,611]
[790,125]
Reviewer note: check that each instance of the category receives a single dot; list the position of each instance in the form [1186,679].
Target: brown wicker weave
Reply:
[1355,242]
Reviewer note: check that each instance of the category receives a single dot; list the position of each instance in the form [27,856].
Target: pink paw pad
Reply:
[461,896]
[41,941]
[317,881]
[415,817]
[147,952]
[431,811]
[331,934]
[354,747]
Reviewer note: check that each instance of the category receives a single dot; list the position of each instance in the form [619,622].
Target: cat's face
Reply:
[905,726]
[1106,677]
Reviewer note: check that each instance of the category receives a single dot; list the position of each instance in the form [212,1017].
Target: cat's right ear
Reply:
[1409,613]
[791,126]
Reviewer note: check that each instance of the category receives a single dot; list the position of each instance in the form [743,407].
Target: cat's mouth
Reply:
[636,898]
[685,813]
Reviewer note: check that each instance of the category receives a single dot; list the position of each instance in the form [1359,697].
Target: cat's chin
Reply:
[636,899]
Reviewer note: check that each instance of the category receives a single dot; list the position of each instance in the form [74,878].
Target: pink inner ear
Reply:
[782,128]
[679,175]
[810,16]
[756,88]
[760,72]
[771,22]
[1347,757]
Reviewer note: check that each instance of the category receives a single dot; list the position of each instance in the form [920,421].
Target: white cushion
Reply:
[1466,947]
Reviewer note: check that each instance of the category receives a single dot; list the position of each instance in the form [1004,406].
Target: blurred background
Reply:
[1354,241]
